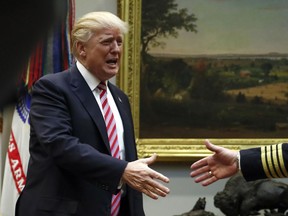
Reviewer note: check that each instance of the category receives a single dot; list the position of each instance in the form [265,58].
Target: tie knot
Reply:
[102,86]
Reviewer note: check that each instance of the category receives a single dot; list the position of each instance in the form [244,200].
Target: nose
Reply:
[115,47]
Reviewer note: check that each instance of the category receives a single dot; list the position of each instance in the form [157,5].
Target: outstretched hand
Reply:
[144,179]
[222,164]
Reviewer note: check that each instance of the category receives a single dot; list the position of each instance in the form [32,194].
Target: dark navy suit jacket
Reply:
[71,170]
[269,161]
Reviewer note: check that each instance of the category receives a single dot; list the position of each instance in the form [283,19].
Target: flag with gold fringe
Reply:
[51,55]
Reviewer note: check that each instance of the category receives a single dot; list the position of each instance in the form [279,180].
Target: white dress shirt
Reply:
[93,82]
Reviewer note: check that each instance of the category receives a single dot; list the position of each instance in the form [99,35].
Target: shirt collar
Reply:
[90,79]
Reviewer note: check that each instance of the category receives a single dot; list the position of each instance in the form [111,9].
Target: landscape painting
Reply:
[213,69]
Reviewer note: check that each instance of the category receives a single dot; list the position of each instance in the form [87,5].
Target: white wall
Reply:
[85,6]
[183,192]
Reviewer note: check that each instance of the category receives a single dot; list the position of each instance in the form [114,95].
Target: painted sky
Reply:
[233,27]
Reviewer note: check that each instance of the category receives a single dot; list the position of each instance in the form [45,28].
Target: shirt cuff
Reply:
[238,161]
[120,184]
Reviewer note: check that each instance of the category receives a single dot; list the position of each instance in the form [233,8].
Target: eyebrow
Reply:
[102,38]
[105,37]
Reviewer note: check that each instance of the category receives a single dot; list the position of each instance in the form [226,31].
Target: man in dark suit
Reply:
[254,163]
[71,169]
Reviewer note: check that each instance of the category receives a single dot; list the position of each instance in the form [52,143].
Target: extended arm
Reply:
[221,164]
[144,179]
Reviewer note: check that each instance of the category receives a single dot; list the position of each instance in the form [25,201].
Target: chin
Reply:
[113,72]
[110,74]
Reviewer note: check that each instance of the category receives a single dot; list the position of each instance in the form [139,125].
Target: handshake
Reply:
[222,164]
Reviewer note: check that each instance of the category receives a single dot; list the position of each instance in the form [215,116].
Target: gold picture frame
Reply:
[129,81]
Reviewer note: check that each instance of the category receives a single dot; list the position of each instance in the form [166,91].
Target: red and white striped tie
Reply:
[113,139]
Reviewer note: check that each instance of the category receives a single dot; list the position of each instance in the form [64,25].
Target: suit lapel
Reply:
[86,97]
[119,103]
[126,121]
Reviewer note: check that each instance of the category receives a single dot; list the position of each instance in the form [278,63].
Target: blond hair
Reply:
[90,23]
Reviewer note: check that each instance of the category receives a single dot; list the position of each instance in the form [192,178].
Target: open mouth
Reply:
[112,61]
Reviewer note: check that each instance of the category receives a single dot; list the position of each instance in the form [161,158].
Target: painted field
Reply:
[276,93]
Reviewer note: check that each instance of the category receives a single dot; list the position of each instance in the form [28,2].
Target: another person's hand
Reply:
[222,164]
[144,179]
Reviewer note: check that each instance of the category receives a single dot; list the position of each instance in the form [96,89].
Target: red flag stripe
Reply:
[16,164]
